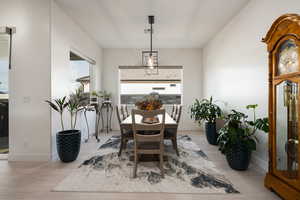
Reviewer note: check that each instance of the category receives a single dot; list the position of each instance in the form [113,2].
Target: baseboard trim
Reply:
[256,160]
[29,157]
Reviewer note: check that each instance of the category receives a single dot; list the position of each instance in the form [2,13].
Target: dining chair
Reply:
[175,111]
[148,138]
[178,114]
[123,113]
[126,134]
[126,110]
[171,133]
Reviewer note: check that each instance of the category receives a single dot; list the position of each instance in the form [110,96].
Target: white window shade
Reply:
[138,74]
[135,84]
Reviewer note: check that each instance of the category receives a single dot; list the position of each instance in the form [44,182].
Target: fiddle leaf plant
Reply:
[239,131]
[205,110]
[59,106]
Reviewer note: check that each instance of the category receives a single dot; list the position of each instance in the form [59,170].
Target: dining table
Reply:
[169,121]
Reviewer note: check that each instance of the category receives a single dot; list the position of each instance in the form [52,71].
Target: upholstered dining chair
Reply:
[148,138]
[126,134]
[171,133]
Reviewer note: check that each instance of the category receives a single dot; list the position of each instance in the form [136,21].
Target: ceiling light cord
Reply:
[151,39]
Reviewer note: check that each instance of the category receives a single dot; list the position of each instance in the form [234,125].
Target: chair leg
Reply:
[135,164]
[125,144]
[161,163]
[121,147]
[174,141]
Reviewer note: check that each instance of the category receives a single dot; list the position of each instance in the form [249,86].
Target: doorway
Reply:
[5,58]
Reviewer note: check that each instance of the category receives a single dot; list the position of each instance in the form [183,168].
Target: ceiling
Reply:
[178,23]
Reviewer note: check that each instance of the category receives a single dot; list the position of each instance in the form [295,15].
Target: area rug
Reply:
[192,172]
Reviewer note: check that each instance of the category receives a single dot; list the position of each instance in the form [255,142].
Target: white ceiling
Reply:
[178,23]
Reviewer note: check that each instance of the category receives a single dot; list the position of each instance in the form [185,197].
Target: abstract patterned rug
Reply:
[192,172]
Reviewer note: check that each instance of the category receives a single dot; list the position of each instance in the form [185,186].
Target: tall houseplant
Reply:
[59,106]
[68,141]
[237,138]
[207,111]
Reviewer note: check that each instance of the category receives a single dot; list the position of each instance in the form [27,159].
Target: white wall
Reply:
[67,35]
[235,61]
[40,71]
[190,59]
[29,120]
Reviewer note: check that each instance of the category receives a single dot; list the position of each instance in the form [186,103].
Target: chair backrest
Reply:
[123,115]
[140,126]
[126,111]
[177,117]
[118,115]
[173,110]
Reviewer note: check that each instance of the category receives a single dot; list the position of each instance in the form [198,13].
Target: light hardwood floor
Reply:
[34,181]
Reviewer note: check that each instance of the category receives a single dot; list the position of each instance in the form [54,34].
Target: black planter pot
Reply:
[211,132]
[68,145]
[239,158]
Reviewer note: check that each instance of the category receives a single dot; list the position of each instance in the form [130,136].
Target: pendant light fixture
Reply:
[150,58]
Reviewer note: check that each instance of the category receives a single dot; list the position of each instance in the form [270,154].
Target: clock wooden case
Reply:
[283,43]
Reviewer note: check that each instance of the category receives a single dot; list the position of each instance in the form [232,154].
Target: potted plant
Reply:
[105,95]
[237,138]
[206,110]
[94,98]
[68,141]
[102,94]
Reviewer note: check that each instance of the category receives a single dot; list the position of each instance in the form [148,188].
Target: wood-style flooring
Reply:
[35,180]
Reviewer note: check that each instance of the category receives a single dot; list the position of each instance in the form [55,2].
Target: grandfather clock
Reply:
[283,42]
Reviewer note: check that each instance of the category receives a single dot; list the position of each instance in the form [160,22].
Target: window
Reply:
[135,84]
[80,69]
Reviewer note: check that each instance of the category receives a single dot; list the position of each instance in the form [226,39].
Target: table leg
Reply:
[111,113]
[87,126]
[102,120]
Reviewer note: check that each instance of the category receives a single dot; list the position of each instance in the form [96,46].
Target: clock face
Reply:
[288,58]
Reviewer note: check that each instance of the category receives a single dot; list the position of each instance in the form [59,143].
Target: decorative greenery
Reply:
[59,106]
[102,94]
[150,102]
[239,131]
[205,110]
[75,103]
[262,124]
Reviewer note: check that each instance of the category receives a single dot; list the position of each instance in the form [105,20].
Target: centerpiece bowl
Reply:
[149,103]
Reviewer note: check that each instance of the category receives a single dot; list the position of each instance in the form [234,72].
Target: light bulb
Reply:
[150,62]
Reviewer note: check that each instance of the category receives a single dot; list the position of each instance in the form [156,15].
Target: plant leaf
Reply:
[53,106]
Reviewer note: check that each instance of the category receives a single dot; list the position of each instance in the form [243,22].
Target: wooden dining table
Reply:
[169,121]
